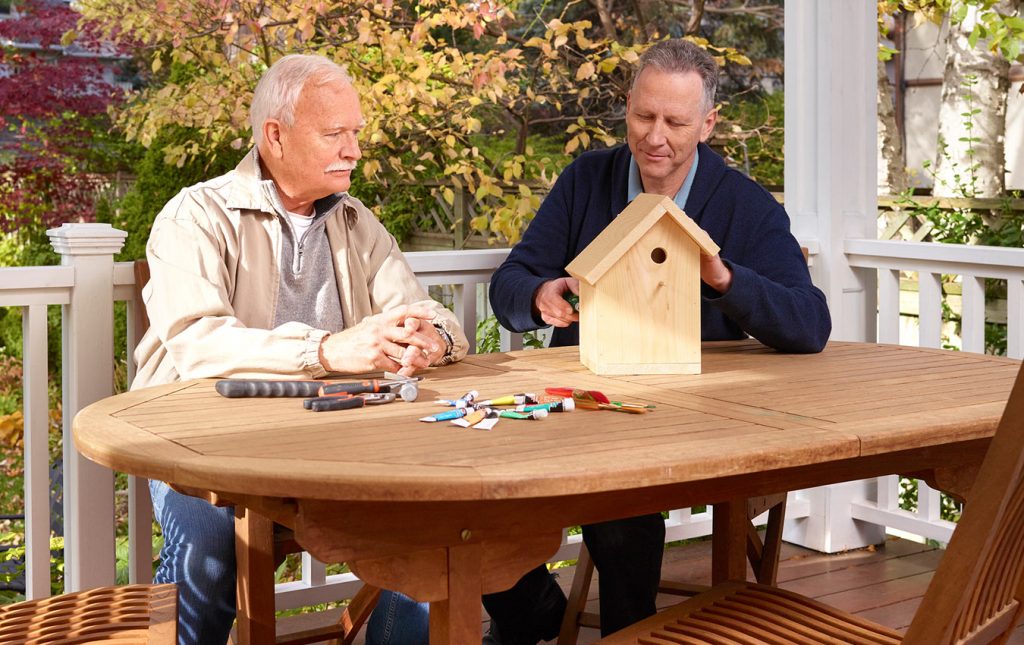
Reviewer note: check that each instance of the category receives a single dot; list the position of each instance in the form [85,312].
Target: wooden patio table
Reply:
[446,514]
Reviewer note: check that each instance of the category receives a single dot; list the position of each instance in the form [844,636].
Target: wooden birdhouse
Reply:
[640,291]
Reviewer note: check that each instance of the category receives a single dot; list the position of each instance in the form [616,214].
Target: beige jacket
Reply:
[214,264]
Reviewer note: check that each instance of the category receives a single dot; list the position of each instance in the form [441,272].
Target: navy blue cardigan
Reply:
[771,297]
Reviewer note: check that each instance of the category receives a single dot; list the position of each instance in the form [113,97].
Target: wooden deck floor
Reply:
[883,584]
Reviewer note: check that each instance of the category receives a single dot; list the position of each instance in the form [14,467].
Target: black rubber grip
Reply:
[330,403]
[308,403]
[365,387]
[240,388]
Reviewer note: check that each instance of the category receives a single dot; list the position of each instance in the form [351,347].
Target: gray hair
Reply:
[680,56]
[279,88]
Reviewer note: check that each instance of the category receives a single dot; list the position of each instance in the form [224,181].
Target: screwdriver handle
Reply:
[331,403]
[240,388]
[362,387]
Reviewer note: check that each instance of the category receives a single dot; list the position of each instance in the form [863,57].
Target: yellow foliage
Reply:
[420,91]
[12,429]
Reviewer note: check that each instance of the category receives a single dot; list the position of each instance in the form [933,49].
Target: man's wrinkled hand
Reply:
[399,340]
[549,304]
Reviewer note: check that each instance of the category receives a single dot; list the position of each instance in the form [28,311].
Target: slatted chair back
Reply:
[129,614]
[976,594]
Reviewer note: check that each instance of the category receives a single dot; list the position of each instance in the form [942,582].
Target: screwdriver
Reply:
[362,387]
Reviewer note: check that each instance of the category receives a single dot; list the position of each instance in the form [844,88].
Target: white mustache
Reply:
[342,165]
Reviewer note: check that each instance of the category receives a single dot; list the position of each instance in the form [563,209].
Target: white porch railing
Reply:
[931,261]
[89,277]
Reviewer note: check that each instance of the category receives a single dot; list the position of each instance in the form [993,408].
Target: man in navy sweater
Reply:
[757,286]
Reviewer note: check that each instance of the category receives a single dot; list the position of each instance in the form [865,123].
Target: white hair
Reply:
[280,86]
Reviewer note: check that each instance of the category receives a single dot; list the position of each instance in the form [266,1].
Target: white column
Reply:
[88,376]
[830,148]
[828,526]
[831,195]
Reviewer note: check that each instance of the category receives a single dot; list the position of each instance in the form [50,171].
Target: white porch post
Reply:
[88,376]
[831,195]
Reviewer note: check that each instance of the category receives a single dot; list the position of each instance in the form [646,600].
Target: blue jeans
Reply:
[199,556]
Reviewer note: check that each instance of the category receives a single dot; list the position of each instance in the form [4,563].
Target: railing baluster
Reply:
[889,306]
[140,531]
[930,309]
[929,505]
[37,453]
[314,572]
[972,317]
[888,493]
[465,310]
[1015,317]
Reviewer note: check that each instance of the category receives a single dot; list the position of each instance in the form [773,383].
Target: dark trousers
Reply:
[627,555]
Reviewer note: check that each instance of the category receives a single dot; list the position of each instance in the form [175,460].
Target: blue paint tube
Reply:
[448,415]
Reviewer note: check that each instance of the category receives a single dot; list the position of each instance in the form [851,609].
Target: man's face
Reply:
[320,149]
[665,121]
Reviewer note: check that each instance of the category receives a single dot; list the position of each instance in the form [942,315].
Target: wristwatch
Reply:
[444,331]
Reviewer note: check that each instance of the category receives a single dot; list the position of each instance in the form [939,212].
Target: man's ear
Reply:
[272,138]
[708,125]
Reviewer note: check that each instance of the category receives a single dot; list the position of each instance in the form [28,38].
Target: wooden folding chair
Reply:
[126,614]
[974,597]
[260,549]
[762,555]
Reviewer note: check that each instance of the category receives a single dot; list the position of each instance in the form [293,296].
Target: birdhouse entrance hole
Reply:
[658,255]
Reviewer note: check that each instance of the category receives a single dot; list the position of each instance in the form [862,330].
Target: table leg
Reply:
[729,541]
[456,619]
[254,554]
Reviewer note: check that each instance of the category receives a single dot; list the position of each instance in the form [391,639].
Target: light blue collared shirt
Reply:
[636,186]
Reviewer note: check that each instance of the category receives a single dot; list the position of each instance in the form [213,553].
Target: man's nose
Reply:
[656,134]
[350,148]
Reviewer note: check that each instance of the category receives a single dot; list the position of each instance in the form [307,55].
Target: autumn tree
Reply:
[440,80]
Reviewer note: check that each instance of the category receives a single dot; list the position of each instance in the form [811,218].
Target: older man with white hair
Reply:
[274,271]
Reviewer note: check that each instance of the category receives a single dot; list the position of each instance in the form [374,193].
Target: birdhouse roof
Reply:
[626,230]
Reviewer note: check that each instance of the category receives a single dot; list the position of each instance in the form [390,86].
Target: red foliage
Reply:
[51,99]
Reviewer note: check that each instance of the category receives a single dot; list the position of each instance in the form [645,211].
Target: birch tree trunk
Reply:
[892,171]
[970,158]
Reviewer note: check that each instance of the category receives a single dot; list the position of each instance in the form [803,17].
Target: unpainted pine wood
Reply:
[648,314]
[622,234]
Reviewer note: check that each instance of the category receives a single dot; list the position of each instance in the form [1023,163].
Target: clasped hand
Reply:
[400,340]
